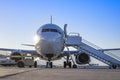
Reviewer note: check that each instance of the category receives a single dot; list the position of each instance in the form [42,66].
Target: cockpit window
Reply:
[45,30]
[53,30]
[50,30]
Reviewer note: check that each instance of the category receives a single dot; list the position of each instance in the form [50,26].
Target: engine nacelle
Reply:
[16,56]
[82,58]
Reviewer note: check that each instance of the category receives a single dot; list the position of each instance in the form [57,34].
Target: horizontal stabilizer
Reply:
[113,49]
[28,45]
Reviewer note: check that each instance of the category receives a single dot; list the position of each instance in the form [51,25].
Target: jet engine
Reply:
[16,56]
[82,58]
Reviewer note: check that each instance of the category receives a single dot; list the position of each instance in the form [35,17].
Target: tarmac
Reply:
[14,73]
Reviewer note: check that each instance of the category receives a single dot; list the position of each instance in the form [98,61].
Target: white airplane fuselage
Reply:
[49,41]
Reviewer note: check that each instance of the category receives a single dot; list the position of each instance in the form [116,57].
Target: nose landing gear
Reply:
[49,64]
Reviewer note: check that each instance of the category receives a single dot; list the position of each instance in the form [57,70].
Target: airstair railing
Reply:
[112,55]
[97,47]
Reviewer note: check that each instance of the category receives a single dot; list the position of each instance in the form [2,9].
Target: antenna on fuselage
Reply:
[51,19]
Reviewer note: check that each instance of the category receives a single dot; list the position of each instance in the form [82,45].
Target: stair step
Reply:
[98,54]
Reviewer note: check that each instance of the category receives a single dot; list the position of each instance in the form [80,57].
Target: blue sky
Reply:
[97,21]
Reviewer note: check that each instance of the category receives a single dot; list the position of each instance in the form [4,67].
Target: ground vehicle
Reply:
[27,60]
[7,62]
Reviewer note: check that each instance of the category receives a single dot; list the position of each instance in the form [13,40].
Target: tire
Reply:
[114,66]
[47,63]
[51,65]
[65,64]
[69,64]
[30,66]
[20,64]
[74,66]
[35,64]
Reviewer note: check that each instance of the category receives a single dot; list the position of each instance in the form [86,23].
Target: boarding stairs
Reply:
[74,40]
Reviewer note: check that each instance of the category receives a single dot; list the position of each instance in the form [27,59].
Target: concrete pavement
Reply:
[58,74]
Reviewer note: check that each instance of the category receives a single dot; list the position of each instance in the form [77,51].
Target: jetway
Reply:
[74,40]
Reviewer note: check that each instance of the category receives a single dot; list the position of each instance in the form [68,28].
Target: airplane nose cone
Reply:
[47,46]
[52,45]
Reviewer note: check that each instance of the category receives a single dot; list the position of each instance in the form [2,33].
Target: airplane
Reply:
[49,45]
[50,42]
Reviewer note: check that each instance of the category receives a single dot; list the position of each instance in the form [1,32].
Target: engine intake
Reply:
[82,58]
[16,56]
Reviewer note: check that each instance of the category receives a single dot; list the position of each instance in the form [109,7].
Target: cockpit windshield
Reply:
[50,30]
[45,30]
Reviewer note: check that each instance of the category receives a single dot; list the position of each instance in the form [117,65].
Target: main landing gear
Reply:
[69,64]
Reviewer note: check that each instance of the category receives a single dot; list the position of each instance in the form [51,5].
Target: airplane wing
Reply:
[112,49]
[33,52]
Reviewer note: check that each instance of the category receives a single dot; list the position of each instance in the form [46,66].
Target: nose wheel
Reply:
[49,64]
